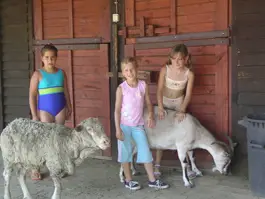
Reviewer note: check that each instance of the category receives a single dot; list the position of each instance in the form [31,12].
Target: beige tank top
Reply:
[174,88]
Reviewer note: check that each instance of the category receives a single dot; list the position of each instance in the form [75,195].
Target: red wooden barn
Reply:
[226,55]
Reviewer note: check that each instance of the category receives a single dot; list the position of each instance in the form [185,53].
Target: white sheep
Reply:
[28,144]
[185,136]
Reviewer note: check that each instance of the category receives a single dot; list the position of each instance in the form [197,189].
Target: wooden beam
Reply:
[143,75]
[187,36]
[75,47]
[136,30]
[203,42]
[69,41]
[38,19]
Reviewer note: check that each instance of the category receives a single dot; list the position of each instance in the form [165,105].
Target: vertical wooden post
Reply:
[38,19]
[71,21]
[173,17]
[151,30]
[104,64]
[1,90]
[142,27]
[222,73]
[71,85]
[222,89]
[130,12]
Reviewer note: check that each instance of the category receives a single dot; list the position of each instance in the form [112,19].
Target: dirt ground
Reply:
[98,179]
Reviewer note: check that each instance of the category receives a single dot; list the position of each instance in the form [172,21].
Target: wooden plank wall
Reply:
[85,66]
[71,19]
[210,95]
[152,27]
[15,59]
[248,47]
[165,17]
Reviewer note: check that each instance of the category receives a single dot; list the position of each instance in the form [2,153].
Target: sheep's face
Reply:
[222,162]
[94,128]
[223,155]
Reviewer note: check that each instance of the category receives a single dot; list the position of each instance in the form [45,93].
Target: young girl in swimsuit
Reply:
[175,86]
[131,95]
[48,92]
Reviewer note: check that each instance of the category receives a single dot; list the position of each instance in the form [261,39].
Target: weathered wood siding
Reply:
[164,17]
[57,19]
[248,61]
[152,27]
[15,60]
[78,28]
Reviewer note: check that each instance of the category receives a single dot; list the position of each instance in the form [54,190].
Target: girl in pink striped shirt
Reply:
[129,122]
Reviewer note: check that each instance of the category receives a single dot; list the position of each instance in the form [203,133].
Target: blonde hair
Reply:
[180,48]
[129,60]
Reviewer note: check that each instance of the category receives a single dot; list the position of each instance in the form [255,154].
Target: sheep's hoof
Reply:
[214,169]
[189,185]
[199,174]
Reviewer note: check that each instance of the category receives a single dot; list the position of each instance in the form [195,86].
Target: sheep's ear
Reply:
[79,128]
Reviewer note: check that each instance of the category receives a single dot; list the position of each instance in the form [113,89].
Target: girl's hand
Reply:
[68,112]
[180,116]
[150,122]
[161,113]
[119,135]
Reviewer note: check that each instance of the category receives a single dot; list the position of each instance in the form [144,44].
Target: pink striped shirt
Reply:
[132,104]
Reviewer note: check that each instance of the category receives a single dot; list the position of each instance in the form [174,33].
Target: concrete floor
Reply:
[98,179]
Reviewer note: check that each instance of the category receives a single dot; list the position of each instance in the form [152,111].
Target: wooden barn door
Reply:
[78,28]
[153,27]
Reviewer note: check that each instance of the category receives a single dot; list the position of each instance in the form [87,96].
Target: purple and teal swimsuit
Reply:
[51,96]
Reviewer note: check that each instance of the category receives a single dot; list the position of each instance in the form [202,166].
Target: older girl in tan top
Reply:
[175,86]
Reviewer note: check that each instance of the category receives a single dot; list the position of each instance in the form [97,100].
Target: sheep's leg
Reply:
[121,174]
[184,165]
[21,174]
[57,188]
[7,178]
[134,171]
[193,165]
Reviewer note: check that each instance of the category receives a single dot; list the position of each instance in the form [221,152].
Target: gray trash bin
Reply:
[255,125]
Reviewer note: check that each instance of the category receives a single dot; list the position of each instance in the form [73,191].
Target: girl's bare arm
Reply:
[148,103]
[188,95]
[33,93]
[160,87]
[117,112]
[66,92]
